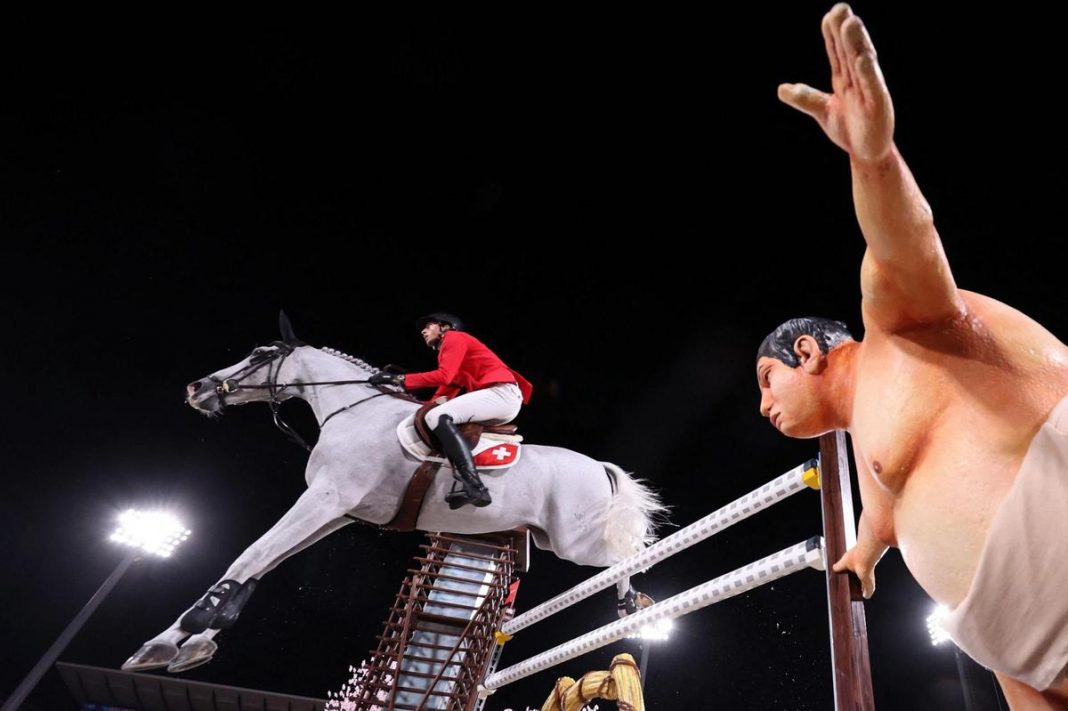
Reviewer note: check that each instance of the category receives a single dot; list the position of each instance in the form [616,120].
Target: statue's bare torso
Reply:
[942,418]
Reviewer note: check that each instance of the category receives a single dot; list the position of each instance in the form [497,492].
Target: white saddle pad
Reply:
[493,451]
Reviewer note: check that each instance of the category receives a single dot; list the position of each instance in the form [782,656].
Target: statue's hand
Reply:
[858,115]
[853,562]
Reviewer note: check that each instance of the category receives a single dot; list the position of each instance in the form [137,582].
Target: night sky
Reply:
[615,202]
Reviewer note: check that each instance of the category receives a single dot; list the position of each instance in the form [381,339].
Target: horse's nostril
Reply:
[192,388]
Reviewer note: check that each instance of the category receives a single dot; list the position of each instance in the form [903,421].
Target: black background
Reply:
[615,202]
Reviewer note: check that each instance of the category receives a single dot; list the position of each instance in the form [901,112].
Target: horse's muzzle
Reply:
[203,395]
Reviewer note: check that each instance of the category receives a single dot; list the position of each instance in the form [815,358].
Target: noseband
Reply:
[233,384]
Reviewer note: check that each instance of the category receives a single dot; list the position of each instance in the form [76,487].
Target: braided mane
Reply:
[350,358]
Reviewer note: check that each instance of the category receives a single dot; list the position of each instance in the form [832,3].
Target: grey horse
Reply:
[584,511]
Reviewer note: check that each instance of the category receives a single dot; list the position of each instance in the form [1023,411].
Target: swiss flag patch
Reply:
[501,454]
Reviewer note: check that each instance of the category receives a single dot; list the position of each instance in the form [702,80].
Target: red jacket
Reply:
[465,363]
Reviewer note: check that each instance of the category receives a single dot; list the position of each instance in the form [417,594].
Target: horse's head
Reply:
[253,379]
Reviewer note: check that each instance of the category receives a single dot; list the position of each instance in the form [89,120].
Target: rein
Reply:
[274,388]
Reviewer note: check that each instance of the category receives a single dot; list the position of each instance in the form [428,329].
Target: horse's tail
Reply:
[633,514]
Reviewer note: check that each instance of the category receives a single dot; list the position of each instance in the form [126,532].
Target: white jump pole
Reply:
[778,565]
[793,481]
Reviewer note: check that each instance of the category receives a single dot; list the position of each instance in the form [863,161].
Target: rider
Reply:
[491,392]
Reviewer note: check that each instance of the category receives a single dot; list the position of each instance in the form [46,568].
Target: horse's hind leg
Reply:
[629,600]
[594,550]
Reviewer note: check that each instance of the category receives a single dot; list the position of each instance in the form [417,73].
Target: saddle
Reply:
[492,446]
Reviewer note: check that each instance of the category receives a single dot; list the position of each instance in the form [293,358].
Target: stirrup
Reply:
[464,492]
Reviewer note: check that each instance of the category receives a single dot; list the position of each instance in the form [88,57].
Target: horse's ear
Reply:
[288,337]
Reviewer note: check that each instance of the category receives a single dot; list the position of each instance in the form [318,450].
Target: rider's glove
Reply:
[384,378]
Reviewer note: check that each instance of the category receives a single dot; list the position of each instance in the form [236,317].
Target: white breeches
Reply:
[495,405]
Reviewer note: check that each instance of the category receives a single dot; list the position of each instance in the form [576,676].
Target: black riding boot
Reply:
[472,490]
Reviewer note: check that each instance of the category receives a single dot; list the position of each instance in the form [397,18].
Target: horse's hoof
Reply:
[151,655]
[193,654]
[632,602]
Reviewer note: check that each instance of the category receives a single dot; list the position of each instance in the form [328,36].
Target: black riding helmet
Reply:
[450,320]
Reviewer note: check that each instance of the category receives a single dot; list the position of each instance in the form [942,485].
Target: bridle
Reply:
[261,359]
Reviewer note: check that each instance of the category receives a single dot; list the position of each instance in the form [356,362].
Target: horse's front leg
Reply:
[319,511]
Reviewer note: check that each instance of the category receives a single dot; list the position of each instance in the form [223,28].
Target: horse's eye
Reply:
[259,355]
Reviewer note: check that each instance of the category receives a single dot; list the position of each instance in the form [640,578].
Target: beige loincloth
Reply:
[1014,619]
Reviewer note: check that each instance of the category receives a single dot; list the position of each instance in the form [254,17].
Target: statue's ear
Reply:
[288,337]
[811,358]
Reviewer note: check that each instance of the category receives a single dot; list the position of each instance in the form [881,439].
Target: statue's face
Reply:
[788,398]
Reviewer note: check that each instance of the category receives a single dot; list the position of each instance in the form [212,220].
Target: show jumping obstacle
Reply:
[421,665]
[439,638]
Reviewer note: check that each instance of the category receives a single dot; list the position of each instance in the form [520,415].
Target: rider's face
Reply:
[432,333]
